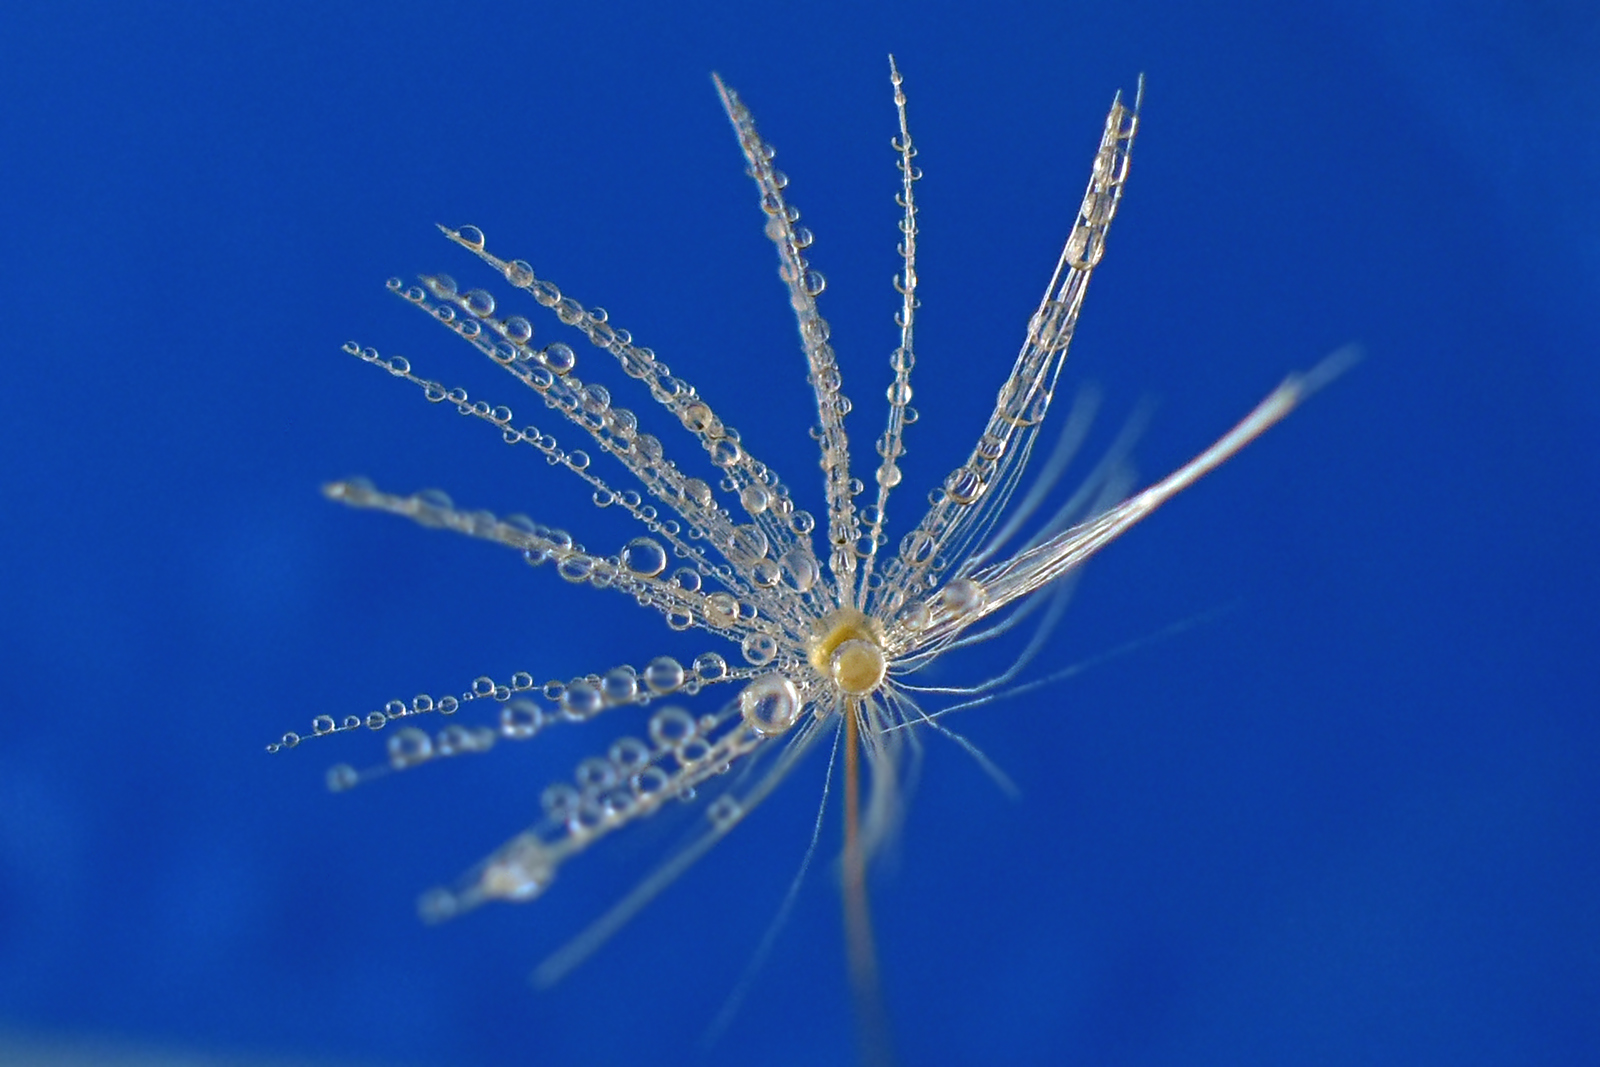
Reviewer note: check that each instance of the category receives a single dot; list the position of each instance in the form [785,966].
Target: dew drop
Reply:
[800,568]
[759,649]
[645,557]
[964,485]
[409,747]
[650,781]
[559,357]
[576,568]
[917,547]
[722,607]
[630,755]
[582,699]
[692,751]
[670,727]
[559,801]
[518,330]
[663,675]
[963,597]
[755,498]
[519,273]
[770,704]
[470,236]
[521,719]
[724,812]
[710,666]
[520,875]
[619,686]
[595,774]
[696,491]
[746,545]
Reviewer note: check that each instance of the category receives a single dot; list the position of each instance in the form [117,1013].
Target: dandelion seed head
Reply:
[821,619]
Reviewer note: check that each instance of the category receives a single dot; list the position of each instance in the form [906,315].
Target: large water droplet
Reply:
[770,704]
[644,556]
[663,674]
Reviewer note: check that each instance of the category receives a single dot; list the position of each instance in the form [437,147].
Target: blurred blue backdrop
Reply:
[1352,819]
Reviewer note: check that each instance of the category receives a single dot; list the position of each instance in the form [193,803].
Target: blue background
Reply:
[1351,819]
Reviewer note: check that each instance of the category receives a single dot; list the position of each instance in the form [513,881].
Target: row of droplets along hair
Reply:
[816,636]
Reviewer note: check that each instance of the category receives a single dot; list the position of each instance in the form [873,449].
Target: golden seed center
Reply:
[849,649]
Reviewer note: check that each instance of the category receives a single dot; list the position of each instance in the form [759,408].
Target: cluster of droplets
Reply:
[634,778]
[773,546]
[805,284]
[973,496]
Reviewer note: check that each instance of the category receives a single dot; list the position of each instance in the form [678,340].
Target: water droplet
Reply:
[770,704]
[746,545]
[644,556]
[630,755]
[964,485]
[559,358]
[759,649]
[559,801]
[663,675]
[670,727]
[857,666]
[582,699]
[521,719]
[342,776]
[518,330]
[520,874]
[917,547]
[800,568]
[470,236]
[724,812]
[696,491]
[576,568]
[409,747]
[963,597]
[595,774]
[619,686]
[693,750]
[710,666]
[722,608]
[755,499]
[650,781]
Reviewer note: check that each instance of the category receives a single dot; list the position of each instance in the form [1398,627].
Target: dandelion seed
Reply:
[823,639]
